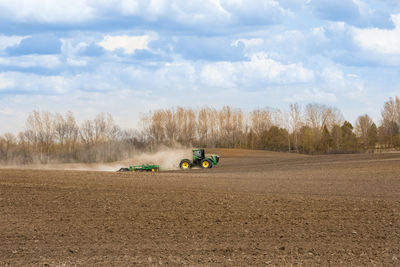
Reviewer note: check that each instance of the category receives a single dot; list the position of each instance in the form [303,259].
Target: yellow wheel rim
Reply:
[185,165]
[206,164]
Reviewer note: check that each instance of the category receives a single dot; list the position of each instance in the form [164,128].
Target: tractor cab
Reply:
[198,155]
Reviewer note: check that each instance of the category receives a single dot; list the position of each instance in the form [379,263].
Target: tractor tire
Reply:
[185,164]
[206,164]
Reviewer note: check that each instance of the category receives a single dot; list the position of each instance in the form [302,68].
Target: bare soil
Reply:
[256,208]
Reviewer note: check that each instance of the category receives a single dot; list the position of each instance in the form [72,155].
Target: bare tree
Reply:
[295,122]
[363,126]
[170,126]
[203,126]
[390,120]
[7,145]
[317,116]
[41,133]
[186,121]
[261,120]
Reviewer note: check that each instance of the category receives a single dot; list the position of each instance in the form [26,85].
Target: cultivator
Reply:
[141,168]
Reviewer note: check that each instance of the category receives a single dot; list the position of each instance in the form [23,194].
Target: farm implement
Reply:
[199,159]
[141,168]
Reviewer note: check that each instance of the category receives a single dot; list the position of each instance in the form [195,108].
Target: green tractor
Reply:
[200,159]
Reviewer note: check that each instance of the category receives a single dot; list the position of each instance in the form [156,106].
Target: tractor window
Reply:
[198,153]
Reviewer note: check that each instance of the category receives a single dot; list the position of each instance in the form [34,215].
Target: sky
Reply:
[128,57]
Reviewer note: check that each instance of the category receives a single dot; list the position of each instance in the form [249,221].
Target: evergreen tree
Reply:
[349,140]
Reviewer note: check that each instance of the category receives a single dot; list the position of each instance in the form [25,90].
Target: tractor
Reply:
[199,159]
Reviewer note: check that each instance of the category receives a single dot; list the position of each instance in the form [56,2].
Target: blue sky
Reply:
[129,57]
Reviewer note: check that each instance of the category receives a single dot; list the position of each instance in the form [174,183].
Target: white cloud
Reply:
[128,43]
[194,12]
[380,40]
[5,83]
[334,79]
[274,71]
[286,45]
[47,11]
[312,95]
[9,41]
[129,7]
[259,71]
[319,32]
[33,83]
[333,76]
[7,112]
[219,74]
[254,8]
[76,62]
[186,12]
[248,43]
[363,7]
[71,47]
[30,61]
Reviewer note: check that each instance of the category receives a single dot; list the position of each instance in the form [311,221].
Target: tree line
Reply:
[51,138]
[312,129]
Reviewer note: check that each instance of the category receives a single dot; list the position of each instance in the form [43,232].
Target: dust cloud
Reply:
[166,158]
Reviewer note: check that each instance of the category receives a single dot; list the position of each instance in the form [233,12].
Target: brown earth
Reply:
[256,208]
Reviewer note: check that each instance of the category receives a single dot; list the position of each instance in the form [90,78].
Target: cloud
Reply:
[129,44]
[360,13]
[177,15]
[208,48]
[10,41]
[312,95]
[257,73]
[31,61]
[47,11]
[4,82]
[380,40]
[76,62]
[108,54]
[334,79]
[37,44]
[82,46]
[255,12]
[335,10]
[32,84]
[205,12]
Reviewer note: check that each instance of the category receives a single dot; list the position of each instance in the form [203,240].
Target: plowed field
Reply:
[256,208]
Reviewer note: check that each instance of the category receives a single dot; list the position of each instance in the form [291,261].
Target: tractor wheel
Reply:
[206,163]
[185,164]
